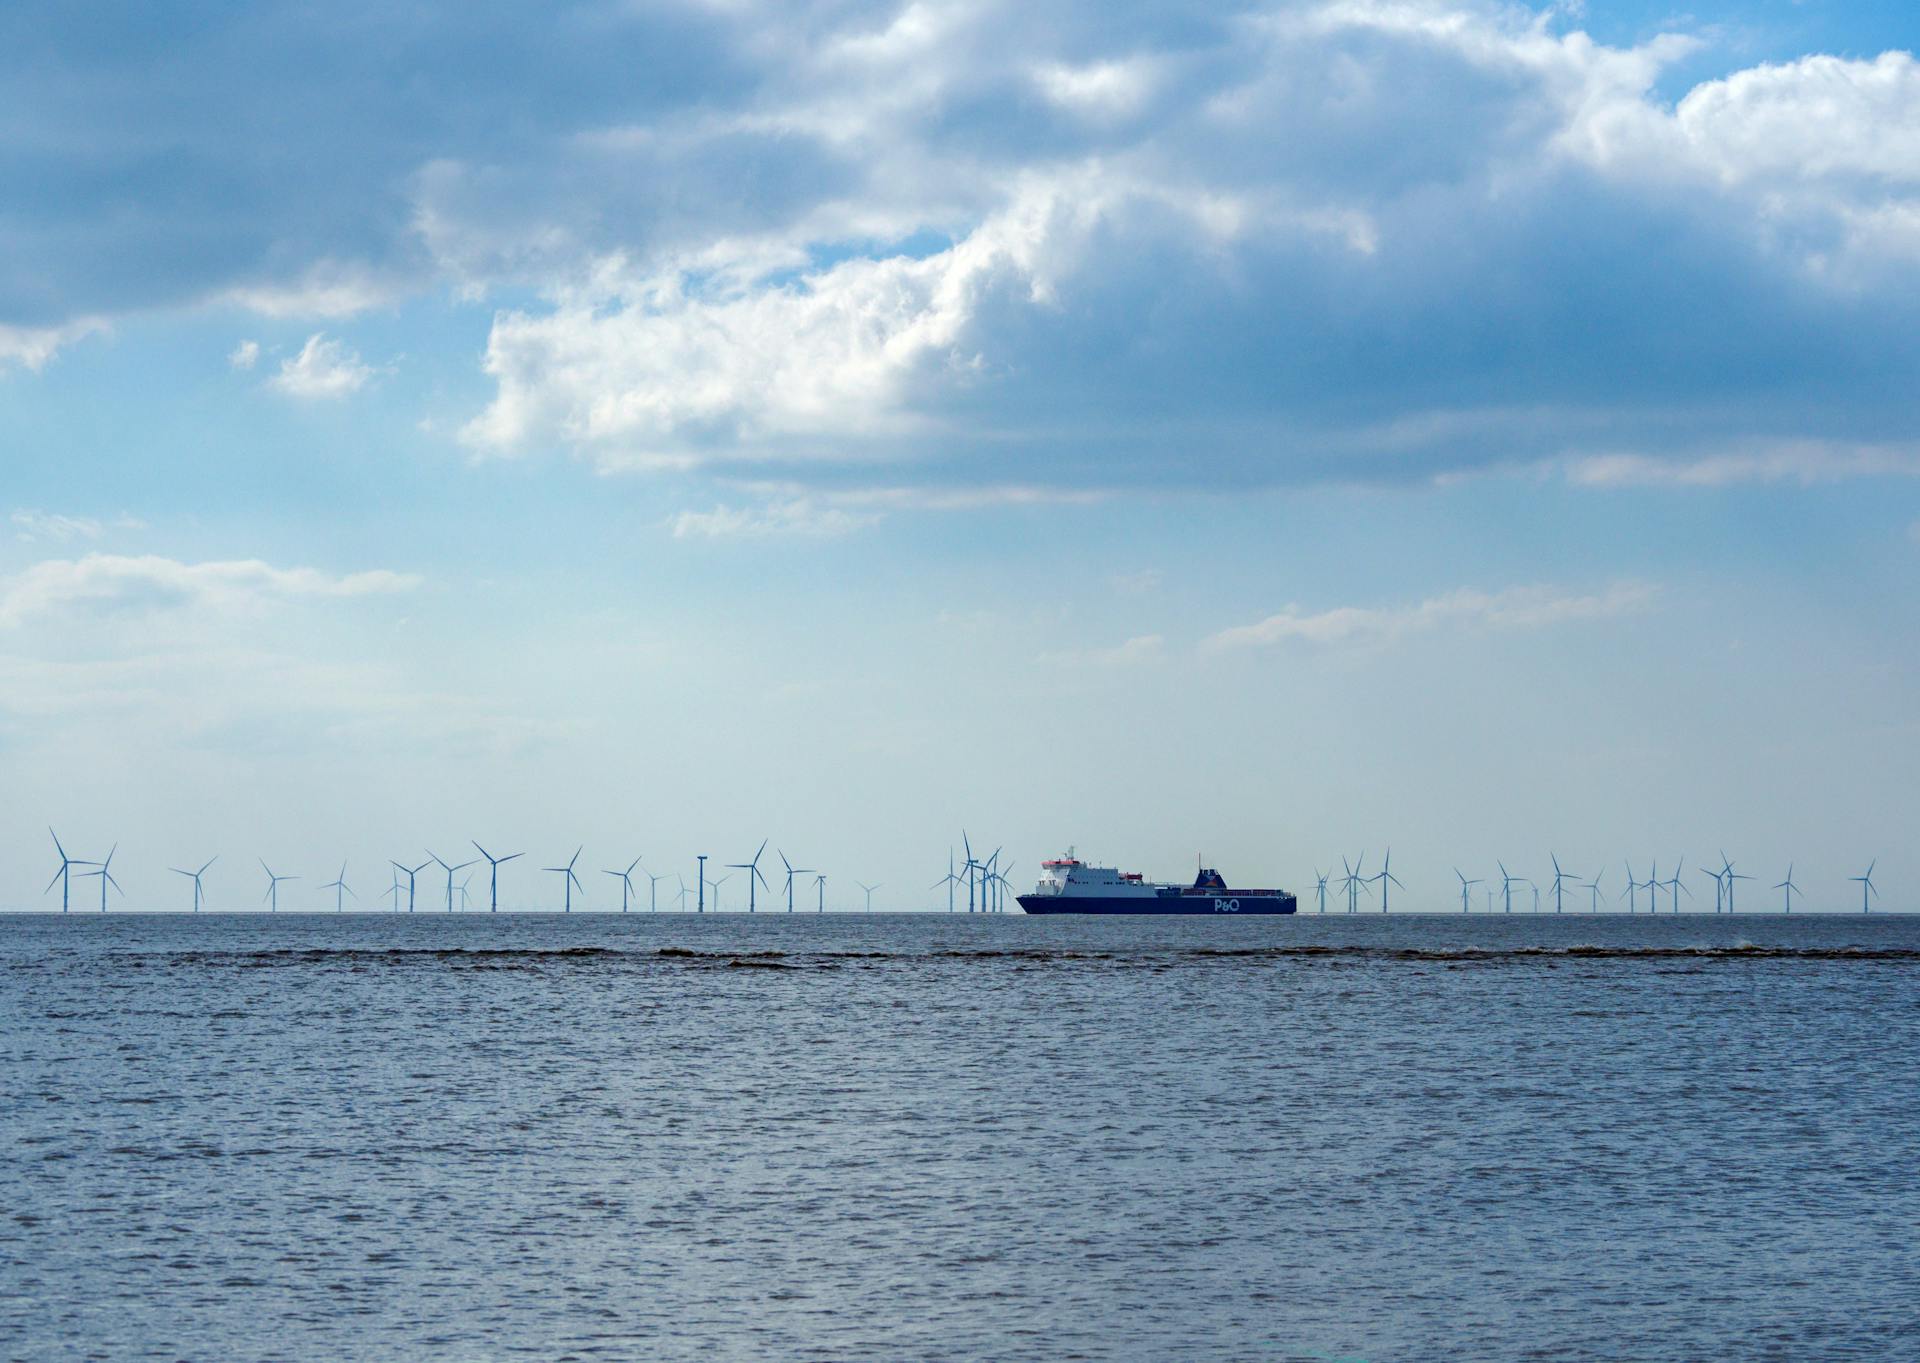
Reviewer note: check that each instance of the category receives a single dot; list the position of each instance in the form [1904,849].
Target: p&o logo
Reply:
[1226,906]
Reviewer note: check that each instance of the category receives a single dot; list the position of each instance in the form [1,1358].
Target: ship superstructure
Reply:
[1070,885]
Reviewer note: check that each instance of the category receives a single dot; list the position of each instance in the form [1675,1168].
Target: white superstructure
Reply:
[1070,877]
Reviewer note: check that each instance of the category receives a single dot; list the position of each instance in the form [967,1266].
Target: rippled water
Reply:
[903,1137]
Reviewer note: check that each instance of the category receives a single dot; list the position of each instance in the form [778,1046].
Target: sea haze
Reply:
[902,1137]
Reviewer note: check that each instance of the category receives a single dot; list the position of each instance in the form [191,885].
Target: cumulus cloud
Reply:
[794,516]
[244,356]
[31,348]
[324,369]
[117,584]
[1516,608]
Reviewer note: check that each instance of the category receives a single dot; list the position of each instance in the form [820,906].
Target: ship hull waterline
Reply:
[1214,905]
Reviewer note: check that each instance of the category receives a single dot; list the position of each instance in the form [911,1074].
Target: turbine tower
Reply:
[1789,887]
[1674,887]
[716,884]
[1867,888]
[700,883]
[340,889]
[449,870]
[272,897]
[1507,882]
[1558,876]
[820,883]
[869,889]
[64,876]
[1386,878]
[1727,871]
[1719,886]
[626,882]
[194,876]
[1592,887]
[1354,882]
[1632,885]
[653,890]
[950,880]
[1466,888]
[571,879]
[752,868]
[493,880]
[1320,888]
[105,872]
[411,873]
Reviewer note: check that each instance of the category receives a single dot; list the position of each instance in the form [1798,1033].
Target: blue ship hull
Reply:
[1223,903]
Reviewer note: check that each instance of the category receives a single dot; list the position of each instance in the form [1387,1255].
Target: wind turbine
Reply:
[1593,888]
[1719,886]
[411,873]
[1507,882]
[435,856]
[626,882]
[493,866]
[1632,885]
[1788,886]
[1386,877]
[64,876]
[571,879]
[752,868]
[1354,882]
[968,866]
[1466,888]
[393,890]
[194,876]
[1674,886]
[820,883]
[1558,876]
[1652,886]
[105,872]
[340,889]
[1320,888]
[716,884]
[466,900]
[272,896]
[1867,887]
[949,880]
[1726,870]
[653,890]
[700,883]
[869,889]
[683,890]
[1005,887]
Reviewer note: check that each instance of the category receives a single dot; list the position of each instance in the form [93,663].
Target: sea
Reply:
[929,1137]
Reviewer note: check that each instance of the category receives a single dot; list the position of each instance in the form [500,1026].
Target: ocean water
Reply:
[932,1137]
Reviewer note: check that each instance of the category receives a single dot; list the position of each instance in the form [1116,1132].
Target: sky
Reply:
[1272,432]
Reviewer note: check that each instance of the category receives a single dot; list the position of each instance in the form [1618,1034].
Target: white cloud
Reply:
[32,347]
[113,583]
[1139,651]
[31,524]
[797,516]
[326,289]
[1804,462]
[323,369]
[1514,608]
[1104,90]
[245,355]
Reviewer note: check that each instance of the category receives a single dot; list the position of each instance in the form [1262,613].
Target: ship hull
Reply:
[1217,905]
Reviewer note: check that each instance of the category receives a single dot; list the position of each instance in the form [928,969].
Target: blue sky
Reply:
[1272,431]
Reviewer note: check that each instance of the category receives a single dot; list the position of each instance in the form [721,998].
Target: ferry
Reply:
[1070,885]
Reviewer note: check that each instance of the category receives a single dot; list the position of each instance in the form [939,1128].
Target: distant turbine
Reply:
[194,876]
[950,880]
[752,868]
[653,890]
[715,886]
[1788,886]
[683,890]
[1507,882]
[466,900]
[1632,885]
[411,873]
[626,882]
[1674,887]
[1719,887]
[1386,878]
[1559,876]
[1593,888]
[1867,887]
[340,888]
[1320,888]
[272,896]
[64,876]
[493,879]
[393,890]
[1466,887]
[1727,871]
[1354,882]
[571,879]
[105,872]
[461,866]
[700,883]
[820,883]
[869,889]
